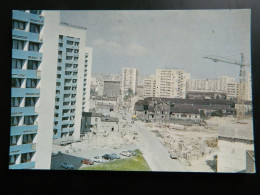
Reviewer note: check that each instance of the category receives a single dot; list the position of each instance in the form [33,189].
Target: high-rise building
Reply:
[129,80]
[149,86]
[27,47]
[87,79]
[248,92]
[33,88]
[171,83]
[71,72]
[223,80]
[48,71]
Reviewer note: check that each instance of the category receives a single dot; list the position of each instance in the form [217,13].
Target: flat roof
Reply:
[237,130]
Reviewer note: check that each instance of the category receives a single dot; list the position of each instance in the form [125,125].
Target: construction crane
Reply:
[242,81]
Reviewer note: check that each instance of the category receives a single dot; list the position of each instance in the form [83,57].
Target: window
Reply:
[74,80]
[15,101]
[74,88]
[28,138]
[15,120]
[76,43]
[69,50]
[17,44]
[38,12]
[31,83]
[66,103]
[58,76]
[68,65]
[68,57]
[12,159]
[75,65]
[29,120]
[75,73]
[76,58]
[34,46]
[17,63]
[73,95]
[33,65]
[73,103]
[70,42]
[26,157]
[67,72]
[35,28]
[18,25]
[60,45]
[76,51]
[71,125]
[59,68]
[72,110]
[30,101]
[67,88]
[16,82]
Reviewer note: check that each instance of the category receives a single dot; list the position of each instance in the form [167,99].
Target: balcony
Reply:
[19,130]
[20,73]
[24,92]
[27,165]
[20,35]
[24,148]
[20,15]
[23,110]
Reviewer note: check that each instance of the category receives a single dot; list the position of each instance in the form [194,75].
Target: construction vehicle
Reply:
[240,106]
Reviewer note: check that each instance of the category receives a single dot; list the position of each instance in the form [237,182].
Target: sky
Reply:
[150,40]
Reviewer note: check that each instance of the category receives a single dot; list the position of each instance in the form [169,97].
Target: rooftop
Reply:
[237,130]
[109,119]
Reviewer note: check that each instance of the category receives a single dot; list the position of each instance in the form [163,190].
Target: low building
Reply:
[234,140]
[199,94]
[98,123]
[185,114]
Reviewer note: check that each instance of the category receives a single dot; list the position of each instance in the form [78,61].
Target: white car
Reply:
[98,160]
[66,165]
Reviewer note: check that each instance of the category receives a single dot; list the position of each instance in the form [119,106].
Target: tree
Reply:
[202,114]
[217,113]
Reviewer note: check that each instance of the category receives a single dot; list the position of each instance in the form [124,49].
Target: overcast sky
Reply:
[150,40]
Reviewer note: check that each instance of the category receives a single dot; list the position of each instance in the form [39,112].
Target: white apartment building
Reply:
[248,93]
[129,80]
[232,89]
[87,79]
[171,83]
[203,84]
[149,86]
[223,80]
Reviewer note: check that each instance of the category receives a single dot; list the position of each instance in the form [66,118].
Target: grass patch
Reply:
[134,163]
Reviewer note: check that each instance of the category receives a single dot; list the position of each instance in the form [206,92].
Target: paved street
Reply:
[154,152]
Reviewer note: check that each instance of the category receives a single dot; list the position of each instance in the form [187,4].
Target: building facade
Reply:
[111,89]
[87,79]
[170,83]
[129,80]
[71,71]
[27,45]
[149,86]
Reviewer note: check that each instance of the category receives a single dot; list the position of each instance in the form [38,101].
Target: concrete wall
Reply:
[232,155]
[48,87]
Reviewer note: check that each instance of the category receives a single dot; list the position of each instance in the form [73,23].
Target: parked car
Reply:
[125,153]
[87,162]
[98,160]
[132,152]
[173,156]
[66,165]
[108,157]
[115,155]
[57,154]
[96,157]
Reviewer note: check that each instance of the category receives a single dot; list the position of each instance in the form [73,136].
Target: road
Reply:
[153,151]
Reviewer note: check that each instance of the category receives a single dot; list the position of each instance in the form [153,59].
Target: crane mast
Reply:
[240,106]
